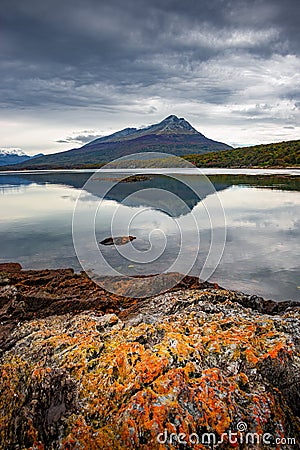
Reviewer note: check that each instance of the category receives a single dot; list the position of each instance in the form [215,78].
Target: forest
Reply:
[281,154]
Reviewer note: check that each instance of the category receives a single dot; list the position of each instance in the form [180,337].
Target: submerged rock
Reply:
[193,364]
[119,240]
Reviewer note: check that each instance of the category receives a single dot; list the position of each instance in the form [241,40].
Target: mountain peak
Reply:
[168,126]
[10,156]
[171,118]
[12,151]
[174,119]
[175,124]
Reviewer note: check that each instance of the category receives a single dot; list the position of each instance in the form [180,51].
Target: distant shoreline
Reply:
[289,171]
[280,155]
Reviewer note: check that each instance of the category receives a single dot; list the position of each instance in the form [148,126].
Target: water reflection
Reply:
[262,252]
[263,226]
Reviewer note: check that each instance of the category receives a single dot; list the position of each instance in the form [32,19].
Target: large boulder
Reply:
[187,369]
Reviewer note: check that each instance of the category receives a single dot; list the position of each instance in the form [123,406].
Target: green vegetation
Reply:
[281,154]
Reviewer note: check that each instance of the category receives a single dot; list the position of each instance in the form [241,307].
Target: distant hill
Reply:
[12,156]
[173,135]
[281,154]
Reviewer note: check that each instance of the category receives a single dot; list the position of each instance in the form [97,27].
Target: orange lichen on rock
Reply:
[190,362]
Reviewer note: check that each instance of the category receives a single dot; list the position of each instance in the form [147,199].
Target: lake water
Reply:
[179,224]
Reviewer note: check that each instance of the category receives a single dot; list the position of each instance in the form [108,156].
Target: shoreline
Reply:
[82,368]
[28,294]
[65,283]
[266,171]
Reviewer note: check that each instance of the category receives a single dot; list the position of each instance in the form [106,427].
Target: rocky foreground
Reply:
[195,368]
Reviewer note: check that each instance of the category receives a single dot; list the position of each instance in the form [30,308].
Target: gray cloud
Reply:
[213,57]
[82,138]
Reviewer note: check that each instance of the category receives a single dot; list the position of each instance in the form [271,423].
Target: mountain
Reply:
[171,126]
[280,154]
[172,135]
[14,156]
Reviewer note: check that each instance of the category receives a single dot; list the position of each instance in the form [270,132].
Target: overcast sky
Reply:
[72,70]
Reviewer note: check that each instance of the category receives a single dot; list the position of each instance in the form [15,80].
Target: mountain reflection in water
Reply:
[262,213]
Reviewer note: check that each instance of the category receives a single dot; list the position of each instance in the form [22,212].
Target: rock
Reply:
[123,373]
[37,294]
[8,299]
[10,267]
[119,240]
[136,178]
[4,280]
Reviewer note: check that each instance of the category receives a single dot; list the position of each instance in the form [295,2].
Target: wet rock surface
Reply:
[118,240]
[85,369]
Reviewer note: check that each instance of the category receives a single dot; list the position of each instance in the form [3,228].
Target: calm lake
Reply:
[169,217]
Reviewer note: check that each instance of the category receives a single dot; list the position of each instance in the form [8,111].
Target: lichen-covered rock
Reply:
[193,363]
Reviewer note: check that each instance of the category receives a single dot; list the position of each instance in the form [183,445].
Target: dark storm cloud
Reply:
[83,138]
[111,55]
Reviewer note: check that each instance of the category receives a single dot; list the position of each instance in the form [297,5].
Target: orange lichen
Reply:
[184,373]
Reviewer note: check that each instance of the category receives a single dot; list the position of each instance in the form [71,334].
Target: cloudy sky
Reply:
[72,70]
